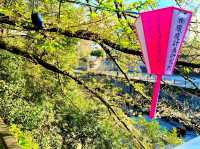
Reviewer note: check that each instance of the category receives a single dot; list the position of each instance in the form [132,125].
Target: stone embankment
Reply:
[7,141]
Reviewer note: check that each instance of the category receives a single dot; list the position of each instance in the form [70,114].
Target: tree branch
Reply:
[121,70]
[186,77]
[50,67]
[88,35]
[54,69]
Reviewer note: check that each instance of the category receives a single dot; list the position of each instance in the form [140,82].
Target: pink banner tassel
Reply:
[155,97]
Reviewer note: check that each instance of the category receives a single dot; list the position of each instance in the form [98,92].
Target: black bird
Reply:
[37,21]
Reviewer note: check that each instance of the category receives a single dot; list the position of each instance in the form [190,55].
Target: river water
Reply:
[168,125]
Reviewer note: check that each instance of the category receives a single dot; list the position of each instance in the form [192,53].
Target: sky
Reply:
[162,3]
[189,6]
[165,3]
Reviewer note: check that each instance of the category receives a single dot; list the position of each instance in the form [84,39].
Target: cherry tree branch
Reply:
[88,35]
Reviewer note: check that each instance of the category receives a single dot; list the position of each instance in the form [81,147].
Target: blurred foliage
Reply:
[140,87]
[25,139]
[97,53]
[152,129]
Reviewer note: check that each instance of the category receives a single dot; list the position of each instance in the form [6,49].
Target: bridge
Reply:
[174,80]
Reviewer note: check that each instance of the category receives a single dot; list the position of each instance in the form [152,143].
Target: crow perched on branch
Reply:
[37,21]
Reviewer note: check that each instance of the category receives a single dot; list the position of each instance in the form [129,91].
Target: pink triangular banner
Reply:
[161,33]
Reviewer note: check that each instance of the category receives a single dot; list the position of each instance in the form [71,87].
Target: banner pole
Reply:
[155,96]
